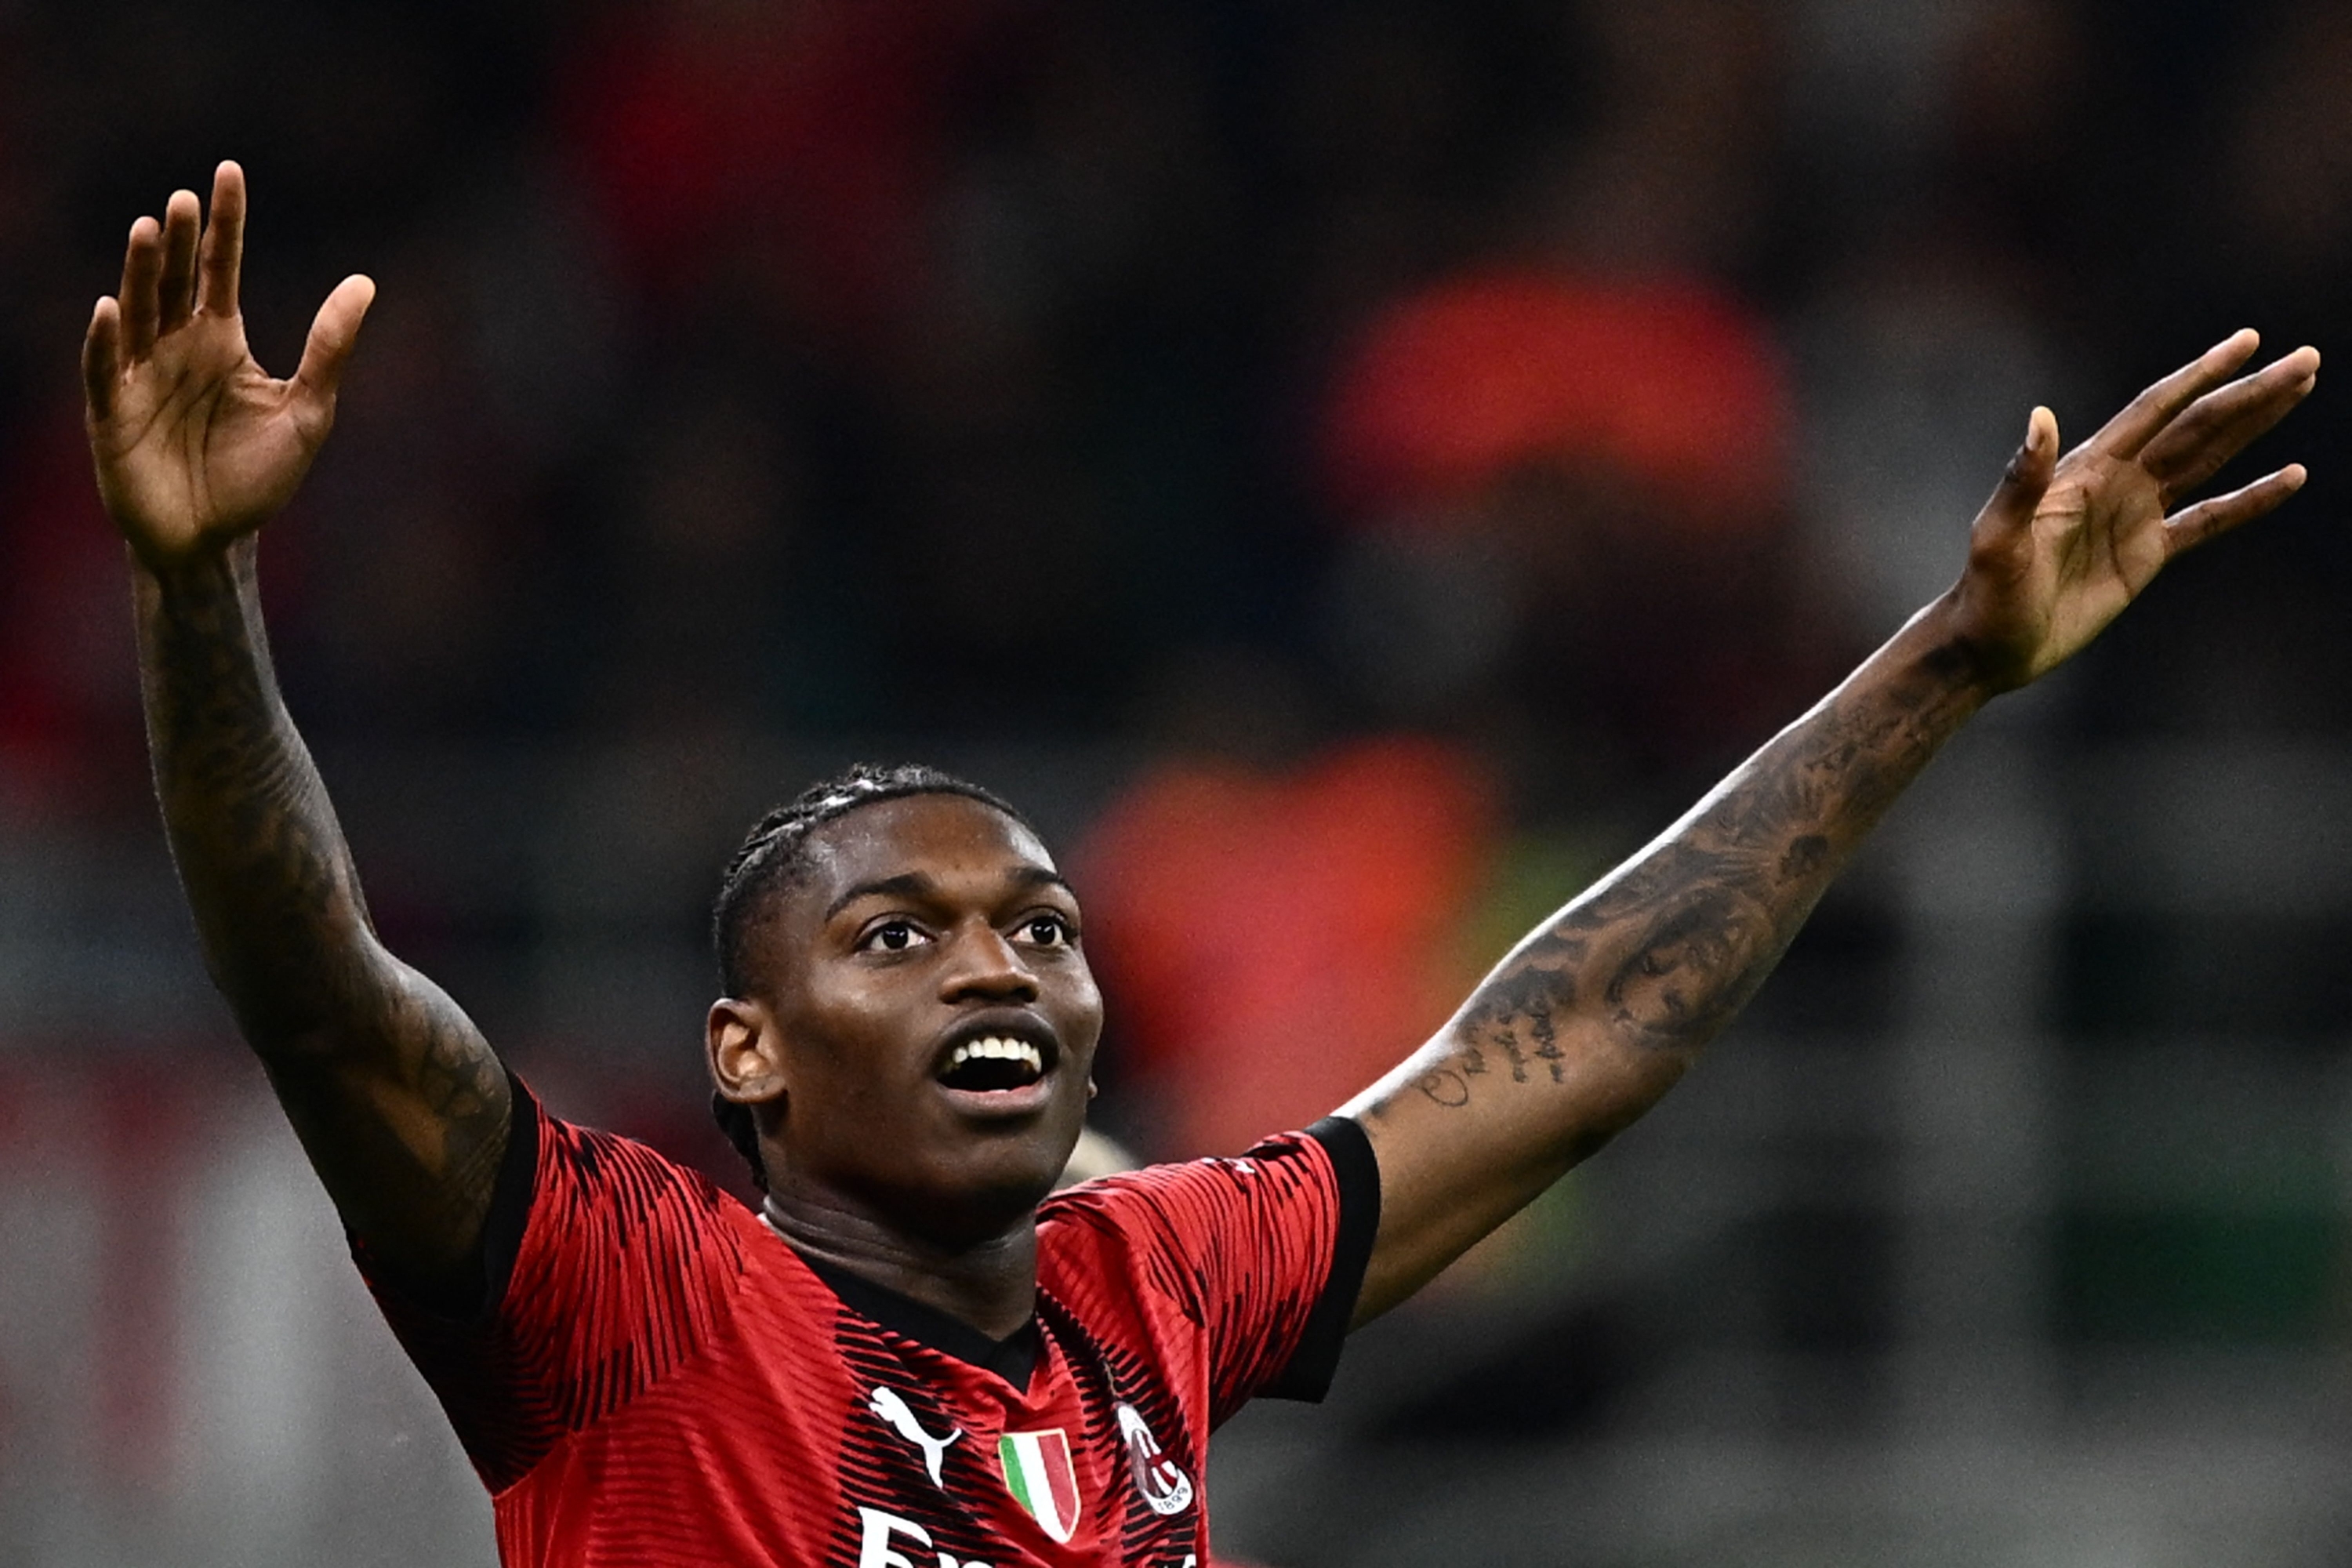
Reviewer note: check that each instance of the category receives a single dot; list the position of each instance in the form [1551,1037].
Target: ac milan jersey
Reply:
[659,1380]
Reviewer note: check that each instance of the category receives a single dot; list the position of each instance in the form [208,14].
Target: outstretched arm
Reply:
[398,1101]
[1603,1007]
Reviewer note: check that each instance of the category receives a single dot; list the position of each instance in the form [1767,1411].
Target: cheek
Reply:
[841,1110]
[1081,1009]
[842,1044]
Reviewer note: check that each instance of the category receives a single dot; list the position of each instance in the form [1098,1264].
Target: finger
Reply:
[142,265]
[224,249]
[2208,518]
[2145,415]
[102,358]
[2220,425]
[177,293]
[2022,483]
[329,347]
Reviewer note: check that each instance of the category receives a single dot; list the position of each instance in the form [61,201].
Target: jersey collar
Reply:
[1013,1358]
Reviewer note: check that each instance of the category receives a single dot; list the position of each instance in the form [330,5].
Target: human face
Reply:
[930,1030]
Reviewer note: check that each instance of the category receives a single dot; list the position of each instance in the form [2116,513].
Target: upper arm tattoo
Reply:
[400,1101]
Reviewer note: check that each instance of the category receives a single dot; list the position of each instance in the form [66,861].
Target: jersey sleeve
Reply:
[606,1266]
[1265,1253]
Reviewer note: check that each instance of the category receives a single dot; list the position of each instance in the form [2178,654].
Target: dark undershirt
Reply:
[1012,1358]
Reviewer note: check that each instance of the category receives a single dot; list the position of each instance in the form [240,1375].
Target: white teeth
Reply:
[996,1047]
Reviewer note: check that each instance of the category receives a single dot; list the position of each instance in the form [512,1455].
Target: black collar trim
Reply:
[1013,1358]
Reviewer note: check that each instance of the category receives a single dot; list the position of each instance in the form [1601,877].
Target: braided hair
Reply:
[773,856]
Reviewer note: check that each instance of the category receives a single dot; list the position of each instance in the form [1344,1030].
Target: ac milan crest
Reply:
[1164,1486]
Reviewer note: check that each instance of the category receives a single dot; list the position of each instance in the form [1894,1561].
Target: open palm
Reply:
[2067,542]
[195,444]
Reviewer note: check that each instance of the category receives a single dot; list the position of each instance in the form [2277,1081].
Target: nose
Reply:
[986,967]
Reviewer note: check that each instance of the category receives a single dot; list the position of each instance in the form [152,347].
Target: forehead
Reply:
[946,838]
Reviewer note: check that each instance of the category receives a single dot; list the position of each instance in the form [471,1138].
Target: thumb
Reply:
[2023,482]
[324,353]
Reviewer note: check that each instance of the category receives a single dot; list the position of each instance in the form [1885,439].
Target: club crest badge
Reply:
[1164,1486]
[1039,1474]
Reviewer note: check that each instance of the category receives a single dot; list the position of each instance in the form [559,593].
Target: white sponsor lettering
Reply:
[874,1550]
[1167,1489]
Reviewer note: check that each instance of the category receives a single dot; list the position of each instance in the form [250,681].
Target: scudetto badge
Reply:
[1039,1474]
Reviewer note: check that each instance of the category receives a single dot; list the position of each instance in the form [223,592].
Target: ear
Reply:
[741,1044]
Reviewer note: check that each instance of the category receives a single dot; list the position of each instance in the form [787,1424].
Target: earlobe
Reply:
[1091,1089]
[739,1043]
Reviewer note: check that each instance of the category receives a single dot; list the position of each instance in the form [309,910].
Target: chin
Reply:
[987,1190]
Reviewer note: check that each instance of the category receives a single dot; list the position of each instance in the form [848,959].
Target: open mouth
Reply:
[993,1063]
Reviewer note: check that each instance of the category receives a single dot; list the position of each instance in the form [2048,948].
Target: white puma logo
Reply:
[887,1405]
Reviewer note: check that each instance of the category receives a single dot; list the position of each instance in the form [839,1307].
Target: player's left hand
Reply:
[2067,542]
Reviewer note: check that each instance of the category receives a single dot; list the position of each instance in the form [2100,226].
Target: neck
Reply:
[990,1283]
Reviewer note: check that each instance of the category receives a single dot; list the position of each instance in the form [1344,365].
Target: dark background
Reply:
[1207,424]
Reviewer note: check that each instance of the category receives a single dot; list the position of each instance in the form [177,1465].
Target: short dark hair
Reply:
[773,856]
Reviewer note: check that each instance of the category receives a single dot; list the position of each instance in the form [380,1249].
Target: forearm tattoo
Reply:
[1662,955]
[264,862]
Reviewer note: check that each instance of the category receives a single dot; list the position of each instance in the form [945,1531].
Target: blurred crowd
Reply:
[1355,470]
[1427,440]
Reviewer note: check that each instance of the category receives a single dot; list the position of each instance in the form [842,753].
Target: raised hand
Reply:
[2067,542]
[1624,987]
[196,444]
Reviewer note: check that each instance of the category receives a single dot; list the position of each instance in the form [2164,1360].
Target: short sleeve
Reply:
[607,1266]
[1265,1252]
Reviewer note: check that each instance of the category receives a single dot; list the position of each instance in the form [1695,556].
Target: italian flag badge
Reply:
[1039,1473]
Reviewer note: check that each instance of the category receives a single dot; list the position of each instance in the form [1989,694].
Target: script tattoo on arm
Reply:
[1663,954]
[400,1101]
[1613,996]
[1603,1007]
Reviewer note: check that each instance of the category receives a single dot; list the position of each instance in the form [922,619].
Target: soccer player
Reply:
[911,1356]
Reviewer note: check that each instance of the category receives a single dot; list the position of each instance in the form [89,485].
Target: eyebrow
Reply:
[921,885]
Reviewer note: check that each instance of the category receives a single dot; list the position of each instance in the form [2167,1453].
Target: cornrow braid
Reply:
[773,856]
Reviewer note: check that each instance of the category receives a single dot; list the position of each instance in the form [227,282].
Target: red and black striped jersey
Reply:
[659,1381]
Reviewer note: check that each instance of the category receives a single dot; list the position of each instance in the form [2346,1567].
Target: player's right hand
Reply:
[195,444]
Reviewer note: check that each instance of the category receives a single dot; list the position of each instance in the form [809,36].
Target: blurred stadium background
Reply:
[1355,471]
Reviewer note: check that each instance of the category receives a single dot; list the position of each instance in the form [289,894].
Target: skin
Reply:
[395,1095]
[1603,1007]
[921,917]
[923,921]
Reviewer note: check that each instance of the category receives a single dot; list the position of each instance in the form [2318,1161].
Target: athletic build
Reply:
[911,1355]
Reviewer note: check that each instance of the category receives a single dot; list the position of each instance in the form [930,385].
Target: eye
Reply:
[1048,931]
[892,936]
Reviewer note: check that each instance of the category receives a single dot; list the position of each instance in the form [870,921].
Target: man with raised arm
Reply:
[911,1355]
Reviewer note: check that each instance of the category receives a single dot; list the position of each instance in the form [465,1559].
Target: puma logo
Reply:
[892,1411]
